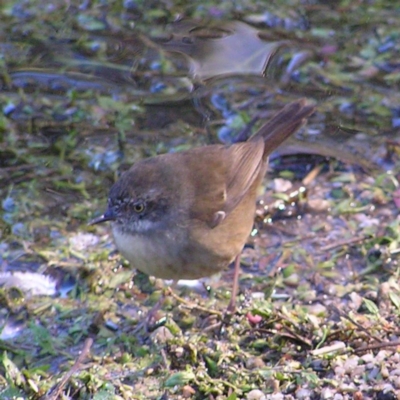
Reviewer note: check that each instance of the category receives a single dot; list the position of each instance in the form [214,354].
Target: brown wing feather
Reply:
[223,178]
[246,163]
[283,124]
[228,177]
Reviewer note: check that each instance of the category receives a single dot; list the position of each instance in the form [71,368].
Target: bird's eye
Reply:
[138,207]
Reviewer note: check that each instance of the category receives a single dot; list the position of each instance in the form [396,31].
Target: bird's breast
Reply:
[166,255]
[145,252]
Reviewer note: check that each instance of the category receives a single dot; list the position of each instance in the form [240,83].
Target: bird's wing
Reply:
[222,178]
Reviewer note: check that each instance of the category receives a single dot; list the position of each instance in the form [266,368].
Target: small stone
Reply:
[358,371]
[358,395]
[326,393]
[395,371]
[161,335]
[282,185]
[373,373]
[276,396]
[318,205]
[365,221]
[384,290]
[258,295]
[179,351]
[318,364]
[350,364]
[396,382]
[384,372]
[355,301]
[337,363]
[388,388]
[368,358]
[317,309]
[339,372]
[188,392]
[292,280]
[255,394]
[303,393]
[369,366]
[309,296]
[254,363]
[330,289]
[346,387]
[385,387]
[338,396]
[382,356]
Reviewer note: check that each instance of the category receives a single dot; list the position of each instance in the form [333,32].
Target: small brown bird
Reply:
[188,215]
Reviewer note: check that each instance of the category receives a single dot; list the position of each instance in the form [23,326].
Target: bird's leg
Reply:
[226,316]
[232,303]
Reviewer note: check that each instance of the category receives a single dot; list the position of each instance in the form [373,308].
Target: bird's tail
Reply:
[283,124]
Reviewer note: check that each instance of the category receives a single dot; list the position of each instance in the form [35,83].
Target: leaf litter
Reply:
[319,301]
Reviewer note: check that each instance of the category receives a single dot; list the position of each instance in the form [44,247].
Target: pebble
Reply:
[373,373]
[384,387]
[355,301]
[395,358]
[395,371]
[368,358]
[188,392]
[161,335]
[282,185]
[357,371]
[370,365]
[303,393]
[346,387]
[255,395]
[358,395]
[317,309]
[339,372]
[318,365]
[337,363]
[396,382]
[383,355]
[276,396]
[350,364]
[330,289]
[326,393]
[292,280]
[258,296]
[384,372]
[254,363]
[318,205]
[363,387]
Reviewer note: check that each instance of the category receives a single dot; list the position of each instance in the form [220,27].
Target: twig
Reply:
[329,349]
[359,326]
[296,336]
[310,177]
[343,243]
[55,392]
[377,346]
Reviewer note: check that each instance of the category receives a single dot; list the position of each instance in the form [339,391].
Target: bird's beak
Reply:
[109,215]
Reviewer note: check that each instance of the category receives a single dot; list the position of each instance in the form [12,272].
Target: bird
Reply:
[187,215]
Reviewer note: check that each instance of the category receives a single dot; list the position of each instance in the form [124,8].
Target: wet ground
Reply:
[88,89]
